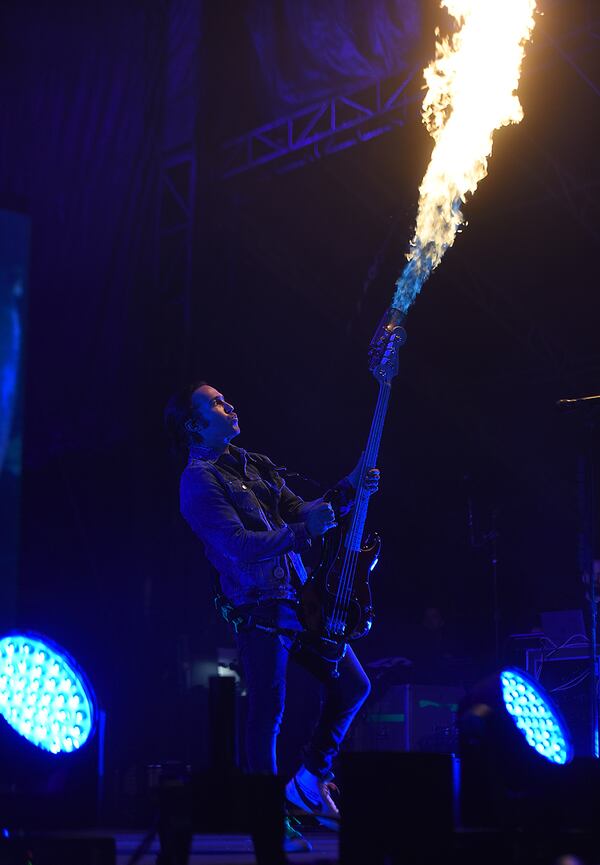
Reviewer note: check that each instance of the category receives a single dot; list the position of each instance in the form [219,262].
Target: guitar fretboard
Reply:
[361,503]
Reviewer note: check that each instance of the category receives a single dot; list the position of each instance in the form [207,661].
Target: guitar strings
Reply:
[341,606]
[344,589]
[370,458]
[344,592]
[345,586]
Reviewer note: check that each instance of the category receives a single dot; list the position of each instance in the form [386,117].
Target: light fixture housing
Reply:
[514,746]
[44,694]
[536,716]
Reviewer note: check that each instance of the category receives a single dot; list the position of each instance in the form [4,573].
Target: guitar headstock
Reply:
[383,350]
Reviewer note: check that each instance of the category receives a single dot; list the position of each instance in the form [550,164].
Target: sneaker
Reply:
[294,841]
[313,796]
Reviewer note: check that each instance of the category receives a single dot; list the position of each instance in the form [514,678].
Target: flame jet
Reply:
[471,91]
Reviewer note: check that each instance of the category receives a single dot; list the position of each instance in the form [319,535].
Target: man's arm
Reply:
[214,519]
[292,507]
[341,496]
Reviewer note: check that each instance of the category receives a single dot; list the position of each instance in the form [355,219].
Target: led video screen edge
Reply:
[14,267]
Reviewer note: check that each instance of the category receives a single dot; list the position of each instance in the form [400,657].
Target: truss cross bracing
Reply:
[368,111]
[336,124]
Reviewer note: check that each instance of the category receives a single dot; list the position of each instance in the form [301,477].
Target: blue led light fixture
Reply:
[536,716]
[44,695]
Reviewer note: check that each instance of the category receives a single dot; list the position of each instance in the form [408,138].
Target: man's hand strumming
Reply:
[320,519]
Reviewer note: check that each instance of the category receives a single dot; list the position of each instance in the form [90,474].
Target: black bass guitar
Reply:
[336,599]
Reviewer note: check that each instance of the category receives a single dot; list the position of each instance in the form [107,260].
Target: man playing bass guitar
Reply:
[254,530]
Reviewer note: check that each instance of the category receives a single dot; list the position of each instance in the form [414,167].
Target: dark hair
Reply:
[178,411]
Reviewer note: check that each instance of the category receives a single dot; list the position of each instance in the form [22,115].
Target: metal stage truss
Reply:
[323,129]
[342,121]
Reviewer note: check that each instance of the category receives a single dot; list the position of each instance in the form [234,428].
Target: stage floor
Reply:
[227,849]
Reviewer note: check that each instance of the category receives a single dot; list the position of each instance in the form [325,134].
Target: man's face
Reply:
[218,415]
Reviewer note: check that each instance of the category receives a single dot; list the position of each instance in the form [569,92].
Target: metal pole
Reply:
[588,485]
[590,523]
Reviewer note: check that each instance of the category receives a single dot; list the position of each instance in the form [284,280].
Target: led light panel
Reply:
[535,717]
[42,696]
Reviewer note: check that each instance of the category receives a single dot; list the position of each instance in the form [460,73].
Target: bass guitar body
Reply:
[337,608]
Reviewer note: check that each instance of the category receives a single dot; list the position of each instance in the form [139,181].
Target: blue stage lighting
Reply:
[535,716]
[514,750]
[44,695]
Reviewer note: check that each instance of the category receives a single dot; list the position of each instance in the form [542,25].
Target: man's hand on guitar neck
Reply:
[371,476]
[321,517]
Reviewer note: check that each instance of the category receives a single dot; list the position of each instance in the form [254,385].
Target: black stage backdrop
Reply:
[81,110]
[282,309]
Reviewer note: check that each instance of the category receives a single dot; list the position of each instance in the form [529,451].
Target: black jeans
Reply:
[264,657]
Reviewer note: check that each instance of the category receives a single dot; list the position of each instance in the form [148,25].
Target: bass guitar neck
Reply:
[337,600]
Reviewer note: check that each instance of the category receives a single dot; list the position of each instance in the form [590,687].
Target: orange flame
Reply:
[471,91]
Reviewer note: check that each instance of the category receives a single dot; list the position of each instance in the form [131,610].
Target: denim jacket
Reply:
[255,549]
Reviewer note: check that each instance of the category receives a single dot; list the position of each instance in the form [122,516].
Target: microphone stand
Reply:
[582,401]
[589,524]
